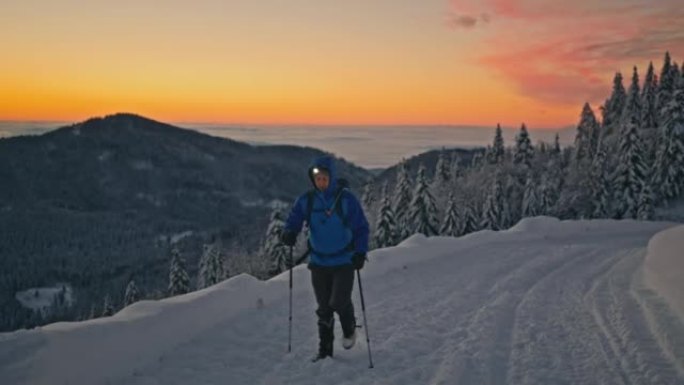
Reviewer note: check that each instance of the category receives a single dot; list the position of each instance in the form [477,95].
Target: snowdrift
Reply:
[664,267]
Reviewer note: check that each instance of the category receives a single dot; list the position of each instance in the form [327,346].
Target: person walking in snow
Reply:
[338,242]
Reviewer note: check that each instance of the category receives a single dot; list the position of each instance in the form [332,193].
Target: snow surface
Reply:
[664,267]
[547,302]
[41,298]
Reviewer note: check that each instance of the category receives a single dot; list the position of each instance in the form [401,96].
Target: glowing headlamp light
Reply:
[318,170]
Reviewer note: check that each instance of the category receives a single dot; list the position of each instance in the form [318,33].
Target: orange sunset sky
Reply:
[327,61]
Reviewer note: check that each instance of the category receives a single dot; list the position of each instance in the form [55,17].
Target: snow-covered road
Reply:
[547,302]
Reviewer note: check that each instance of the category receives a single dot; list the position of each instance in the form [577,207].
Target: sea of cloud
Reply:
[367,146]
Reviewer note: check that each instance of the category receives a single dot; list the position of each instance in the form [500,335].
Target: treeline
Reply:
[624,165]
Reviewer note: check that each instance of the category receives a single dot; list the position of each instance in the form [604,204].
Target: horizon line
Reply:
[290,124]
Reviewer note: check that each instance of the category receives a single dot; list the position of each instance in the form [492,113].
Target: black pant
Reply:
[333,289]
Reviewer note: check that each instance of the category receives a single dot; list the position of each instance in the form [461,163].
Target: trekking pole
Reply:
[365,322]
[289,335]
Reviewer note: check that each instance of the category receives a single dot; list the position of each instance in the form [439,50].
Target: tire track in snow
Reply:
[622,321]
[554,339]
[665,326]
[483,353]
[528,311]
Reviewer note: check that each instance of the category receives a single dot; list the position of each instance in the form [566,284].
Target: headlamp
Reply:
[319,170]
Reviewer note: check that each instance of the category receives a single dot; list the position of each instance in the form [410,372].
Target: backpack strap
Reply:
[337,206]
[339,210]
[309,206]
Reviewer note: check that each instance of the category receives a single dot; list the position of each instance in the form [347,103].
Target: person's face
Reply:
[322,180]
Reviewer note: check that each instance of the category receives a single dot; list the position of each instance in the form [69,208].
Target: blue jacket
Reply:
[332,242]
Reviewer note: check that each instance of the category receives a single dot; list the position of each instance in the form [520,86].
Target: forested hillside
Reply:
[97,204]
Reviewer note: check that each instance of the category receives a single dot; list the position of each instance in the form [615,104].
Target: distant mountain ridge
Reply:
[127,152]
[88,203]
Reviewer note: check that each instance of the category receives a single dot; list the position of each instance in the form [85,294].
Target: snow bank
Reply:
[664,267]
[137,334]
[535,224]
[551,228]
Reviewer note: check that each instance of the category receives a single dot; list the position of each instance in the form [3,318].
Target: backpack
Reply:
[337,208]
[342,184]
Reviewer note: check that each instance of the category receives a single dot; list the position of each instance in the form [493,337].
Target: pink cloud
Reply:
[567,54]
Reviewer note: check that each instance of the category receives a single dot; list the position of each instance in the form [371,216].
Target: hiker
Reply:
[338,242]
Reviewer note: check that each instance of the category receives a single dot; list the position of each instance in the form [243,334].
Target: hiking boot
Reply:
[318,357]
[326,336]
[349,333]
[349,341]
[325,349]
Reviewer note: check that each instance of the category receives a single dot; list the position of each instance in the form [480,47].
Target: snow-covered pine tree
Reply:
[490,215]
[669,165]
[612,109]
[455,166]
[556,149]
[630,171]
[273,250]
[543,147]
[587,134]
[179,282]
[368,199]
[203,274]
[423,212]
[471,221]
[442,171]
[107,307]
[386,227]
[131,295]
[494,213]
[476,160]
[488,154]
[531,205]
[514,189]
[649,115]
[402,201]
[211,269]
[523,151]
[452,223]
[574,199]
[547,195]
[497,149]
[645,207]
[600,186]
[217,265]
[666,88]
[632,111]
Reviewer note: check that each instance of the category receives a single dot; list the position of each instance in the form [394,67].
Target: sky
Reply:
[465,62]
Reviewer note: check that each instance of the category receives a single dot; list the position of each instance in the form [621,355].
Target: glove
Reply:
[288,238]
[358,260]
